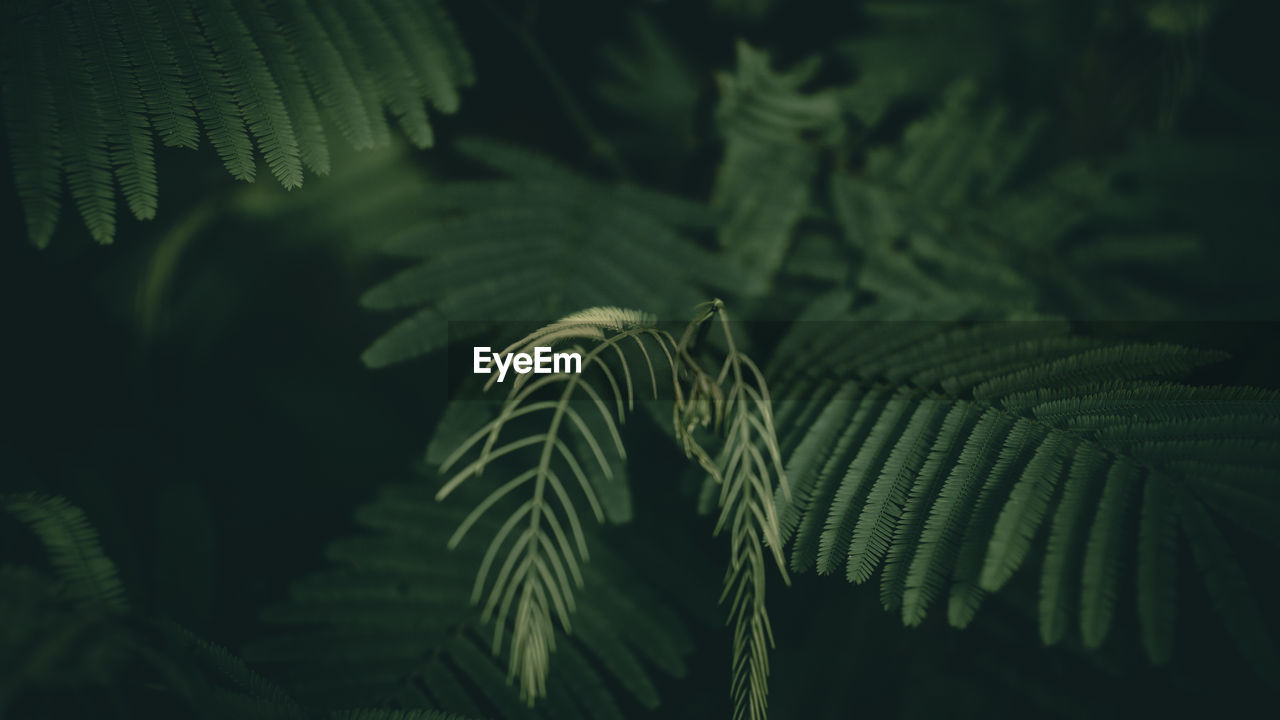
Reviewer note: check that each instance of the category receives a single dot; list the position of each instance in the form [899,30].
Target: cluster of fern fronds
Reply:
[89,86]
[930,409]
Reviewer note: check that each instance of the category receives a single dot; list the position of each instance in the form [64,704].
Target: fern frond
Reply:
[210,90]
[328,76]
[1157,567]
[748,469]
[105,78]
[297,102]
[392,618]
[1102,558]
[157,73]
[762,185]
[86,159]
[1059,580]
[34,142]
[119,105]
[87,574]
[535,572]
[558,240]
[908,211]
[942,453]
[255,88]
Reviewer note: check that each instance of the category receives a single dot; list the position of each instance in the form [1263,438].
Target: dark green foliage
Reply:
[956,231]
[393,619]
[253,73]
[1000,430]
[72,633]
[86,573]
[773,134]
[559,241]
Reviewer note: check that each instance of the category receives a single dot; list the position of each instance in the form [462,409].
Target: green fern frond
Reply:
[89,84]
[773,136]
[87,574]
[31,105]
[908,211]
[392,618]
[157,73]
[558,241]
[85,158]
[941,455]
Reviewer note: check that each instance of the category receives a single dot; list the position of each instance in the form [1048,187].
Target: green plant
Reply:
[978,256]
[90,85]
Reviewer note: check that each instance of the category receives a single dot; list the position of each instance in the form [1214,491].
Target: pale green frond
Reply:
[749,470]
[523,582]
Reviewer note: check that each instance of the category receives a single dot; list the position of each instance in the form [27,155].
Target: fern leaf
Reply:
[87,573]
[255,89]
[397,86]
[966,587]
[1059,578]
[762,186]
[560,241]
[157,73]
[532,582]
[1022,515]
[210,91]
[33,129]
[412,28]
[806,459]
[887,498]
[749,470]
[1102,554]
[337,25]
[119,73]
[327,74]
[944,452]
[1057,424]
[121,107]
[944,531]
[1157,567]
[280,56]
[84,139]
[812,526]
[833,548]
